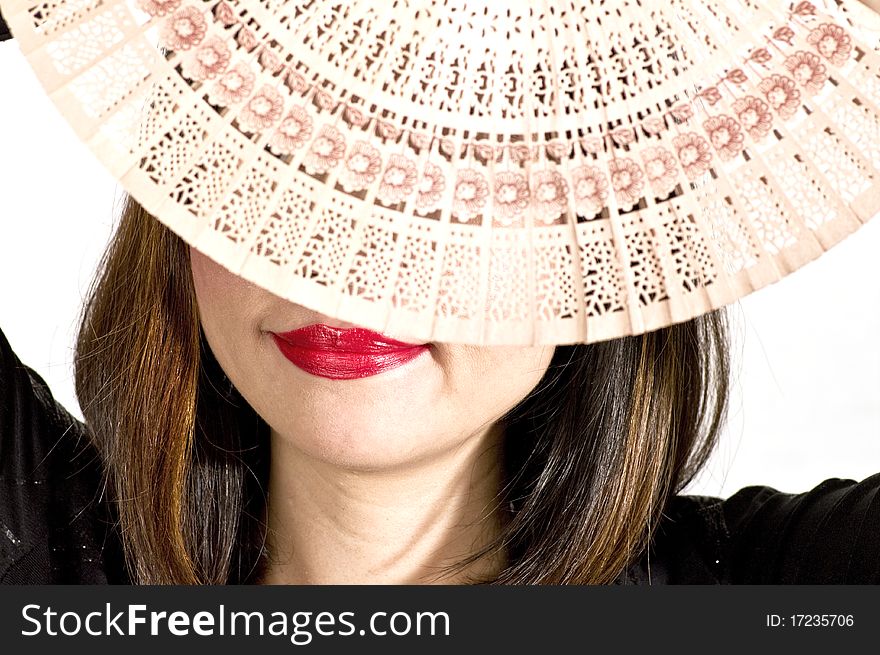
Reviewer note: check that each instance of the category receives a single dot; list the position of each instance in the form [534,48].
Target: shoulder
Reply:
[760,535]
[55,523]
[827,535]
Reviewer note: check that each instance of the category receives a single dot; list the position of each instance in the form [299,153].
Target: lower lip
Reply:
[337,365]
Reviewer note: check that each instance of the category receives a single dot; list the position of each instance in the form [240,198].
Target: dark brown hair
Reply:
[591,455]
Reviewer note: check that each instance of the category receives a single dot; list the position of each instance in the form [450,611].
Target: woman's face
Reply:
[431,404]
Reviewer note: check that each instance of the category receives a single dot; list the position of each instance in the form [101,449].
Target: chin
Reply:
[363,443]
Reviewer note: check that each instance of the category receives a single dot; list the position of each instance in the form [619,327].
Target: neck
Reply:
[333,525]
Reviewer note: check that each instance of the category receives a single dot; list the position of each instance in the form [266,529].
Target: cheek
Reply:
[525,367]
[496,379]
[221,295]
[229,310]
[212,282]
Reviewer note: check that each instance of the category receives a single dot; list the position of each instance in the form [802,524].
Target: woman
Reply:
[532,464]
[512,465]
[217,448]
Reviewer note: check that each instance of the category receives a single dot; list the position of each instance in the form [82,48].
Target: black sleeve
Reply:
[30,418]
[53,525]
[4,30]
[829,535]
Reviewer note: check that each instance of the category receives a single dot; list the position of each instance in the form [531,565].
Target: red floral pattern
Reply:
[550,192]
[184,29]
[623,136]
[431,188]
[754,115]
[711,95]
[737,76]
[398,181]
[270,61]
[653,125]
[484,152]
[325,101]
[832,42]
[209,60]
[511,196]
[520,152]
[694,153]
[807,70]
[559,149]
[760,56]
[661,169]
[782,94]
[361,166]
[590,190]
[158,7]
[593,144]
[726,136]
[785,34]
[355,116]
[387,131]
[296,82]
[447,147]
[420,140]
[292,134]
[246,39]
[804,9]
[224,14]
[471,191]
[234,86]
[682,112]
[262,110]
[511,192]
[627,180]
[325,152]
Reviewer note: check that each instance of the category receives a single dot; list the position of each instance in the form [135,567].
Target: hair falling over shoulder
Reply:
[590,456]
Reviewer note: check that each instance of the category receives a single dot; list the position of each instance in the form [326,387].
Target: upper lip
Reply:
[319,336]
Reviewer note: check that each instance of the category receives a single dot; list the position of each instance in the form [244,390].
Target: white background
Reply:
[806,387]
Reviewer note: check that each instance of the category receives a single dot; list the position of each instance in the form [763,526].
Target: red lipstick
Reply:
[344,354]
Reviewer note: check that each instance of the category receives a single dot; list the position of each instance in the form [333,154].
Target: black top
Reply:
[56,525]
